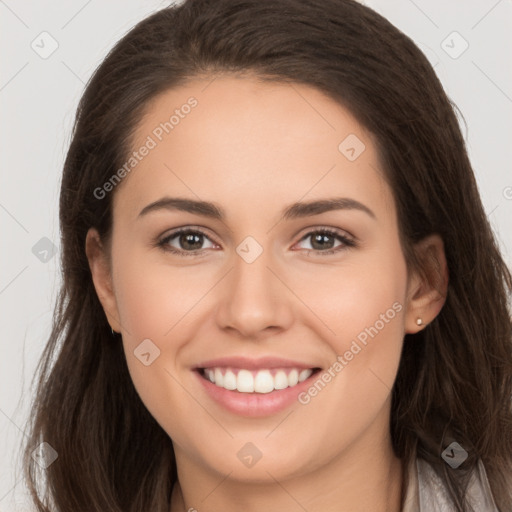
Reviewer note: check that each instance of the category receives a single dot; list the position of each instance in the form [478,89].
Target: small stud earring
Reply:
[419,321]
[113,332]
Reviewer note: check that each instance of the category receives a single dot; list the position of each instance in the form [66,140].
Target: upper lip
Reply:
[254,363]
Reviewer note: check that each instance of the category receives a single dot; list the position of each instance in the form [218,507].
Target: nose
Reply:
[255,300]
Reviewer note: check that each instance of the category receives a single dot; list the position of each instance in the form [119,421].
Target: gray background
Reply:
[38,97]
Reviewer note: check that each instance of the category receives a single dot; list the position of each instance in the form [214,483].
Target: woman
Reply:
[202,357]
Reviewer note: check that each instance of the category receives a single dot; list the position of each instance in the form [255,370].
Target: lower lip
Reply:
[254,404]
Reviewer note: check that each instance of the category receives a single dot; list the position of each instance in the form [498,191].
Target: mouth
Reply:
[254,387]
[261,381]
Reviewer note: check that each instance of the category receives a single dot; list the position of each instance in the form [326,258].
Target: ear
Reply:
[427,288]
[102,277]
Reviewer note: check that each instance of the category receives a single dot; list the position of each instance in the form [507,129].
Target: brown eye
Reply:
[323,241]
[187,242]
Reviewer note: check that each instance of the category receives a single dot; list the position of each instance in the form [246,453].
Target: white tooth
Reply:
[219,379]
[304,374]
[230,380]
[293,378]
[245,381]
[280,380]
[263,383]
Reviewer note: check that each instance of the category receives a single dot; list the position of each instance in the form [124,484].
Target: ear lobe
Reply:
[102,277]
[427,288]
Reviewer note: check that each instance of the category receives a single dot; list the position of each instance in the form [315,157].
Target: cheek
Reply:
[364,311]
[153,305]
[359,309]
[158,306]
[369,308]
[360,300]
[152,298]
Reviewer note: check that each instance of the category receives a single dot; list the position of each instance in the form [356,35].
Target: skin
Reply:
[254,148]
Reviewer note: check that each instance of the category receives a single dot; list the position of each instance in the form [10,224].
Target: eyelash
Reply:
[346,241]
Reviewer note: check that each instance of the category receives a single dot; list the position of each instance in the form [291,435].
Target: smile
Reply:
[254,386]
[256,381]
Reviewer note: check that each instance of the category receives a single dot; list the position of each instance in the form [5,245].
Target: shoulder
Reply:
[427,493]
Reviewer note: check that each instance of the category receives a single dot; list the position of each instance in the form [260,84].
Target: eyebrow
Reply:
[293,211]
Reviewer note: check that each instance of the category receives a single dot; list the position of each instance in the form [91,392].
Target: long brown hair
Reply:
[454,382]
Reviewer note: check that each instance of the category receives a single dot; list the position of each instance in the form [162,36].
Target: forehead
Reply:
[232,138]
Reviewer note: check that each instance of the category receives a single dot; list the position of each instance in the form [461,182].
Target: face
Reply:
[269,322]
